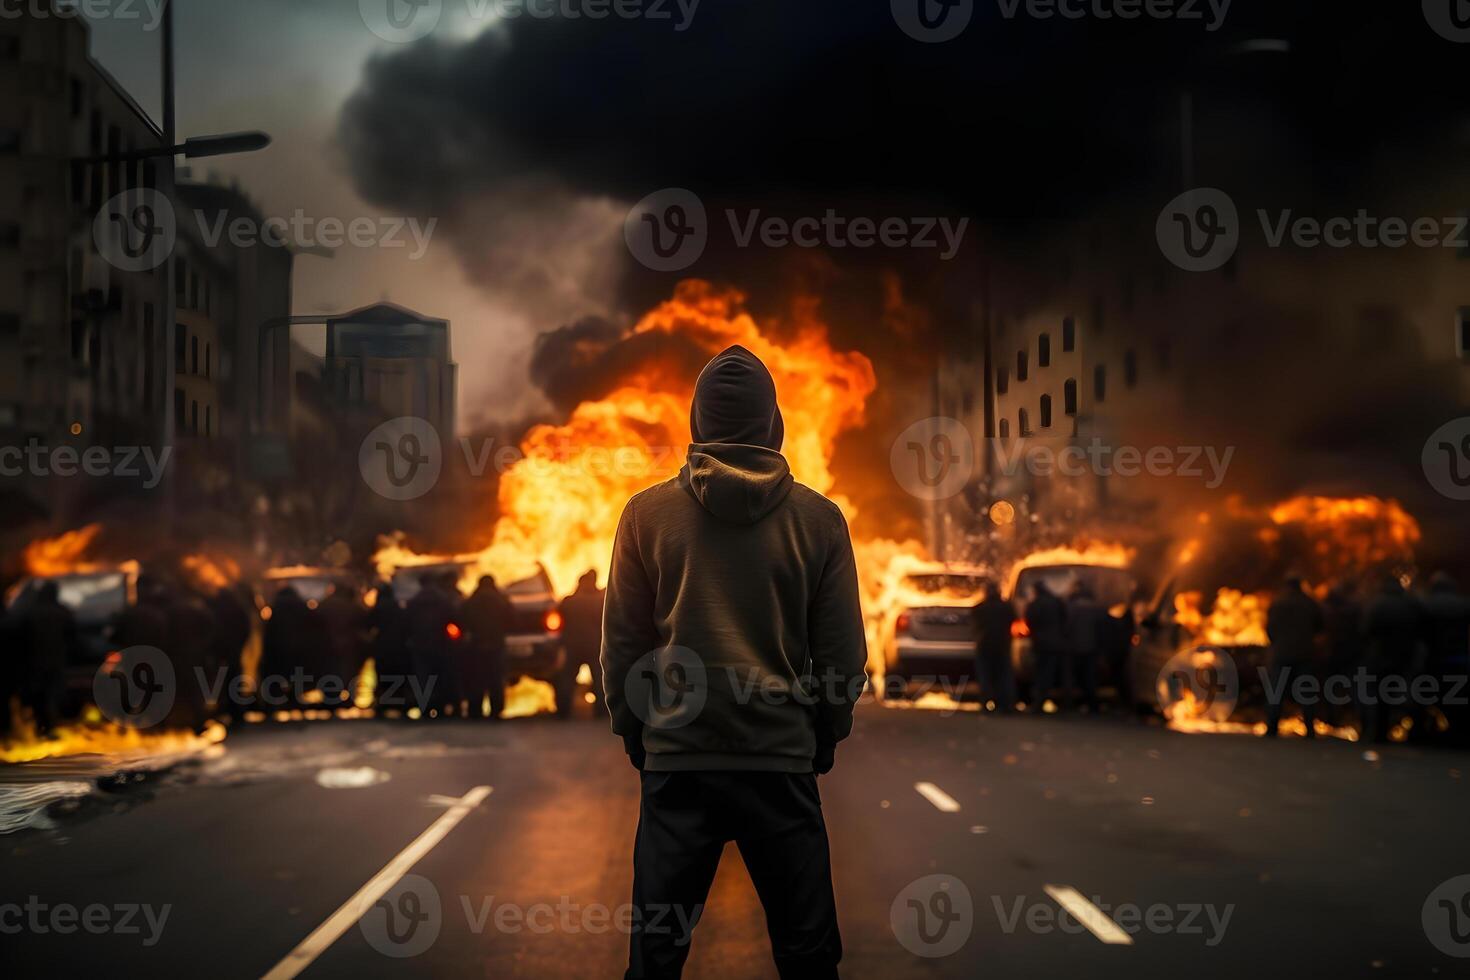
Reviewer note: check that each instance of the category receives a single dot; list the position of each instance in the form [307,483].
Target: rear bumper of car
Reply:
[915,659]
[536,655]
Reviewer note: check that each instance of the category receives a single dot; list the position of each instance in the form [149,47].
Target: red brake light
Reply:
[904,620]
[1019,629]
[552,621]
[454,631]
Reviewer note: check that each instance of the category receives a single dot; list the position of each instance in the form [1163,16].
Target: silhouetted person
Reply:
[1046,619]
[1391,635]
[993,617]
[1088,632]
[50,636]
[389,625]
[730,579]
[1342,617]
[581,634]
[283,650]
[190,642]
[486,618]
[1292,623]
[429,614]
[12,668]
[1446,626]
[231,633]
[342,623]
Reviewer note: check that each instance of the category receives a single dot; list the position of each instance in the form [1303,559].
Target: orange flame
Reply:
[560,504]
[61,555]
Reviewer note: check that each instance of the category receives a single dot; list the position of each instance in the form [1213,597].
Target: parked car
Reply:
[933,634]
[1112,585]
[533,645]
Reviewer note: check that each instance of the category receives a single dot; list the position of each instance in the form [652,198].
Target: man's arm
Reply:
[839,645]
[628,631]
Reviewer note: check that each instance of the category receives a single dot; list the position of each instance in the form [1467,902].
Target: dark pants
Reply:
[1284,673]
[1053,670]
[997,678]
[776,820]
[1085,667]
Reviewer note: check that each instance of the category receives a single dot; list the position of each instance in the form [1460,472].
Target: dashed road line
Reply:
[942,801]
[357,906]
[1093,918]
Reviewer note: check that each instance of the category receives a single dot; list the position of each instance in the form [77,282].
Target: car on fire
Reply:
[533,645]
[96,599]
[933,633]
[1113,585]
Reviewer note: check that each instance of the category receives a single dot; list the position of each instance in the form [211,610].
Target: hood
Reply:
[735,402]
[737,484]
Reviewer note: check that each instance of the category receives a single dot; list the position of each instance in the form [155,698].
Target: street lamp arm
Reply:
[192,148]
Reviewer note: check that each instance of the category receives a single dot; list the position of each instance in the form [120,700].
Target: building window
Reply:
[1099,383]
[1069,335]
[1043,350]
[1046,411]
[78,97]
[9,234]
[1005,428]
[181,346]
[179,409]
[9,141]
[208,348]
[1020,365]
[1023,422]
[1130,368]
[208,420]
[194,418]
[1003,380]
[147,357]
[1069,396]
[193,355]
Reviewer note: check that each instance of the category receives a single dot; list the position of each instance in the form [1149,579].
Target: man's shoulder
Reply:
[809,502]
[654,496]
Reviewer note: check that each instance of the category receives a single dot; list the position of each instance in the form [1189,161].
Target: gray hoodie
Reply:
[732,633]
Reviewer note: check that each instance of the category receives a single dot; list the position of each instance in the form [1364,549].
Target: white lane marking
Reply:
[1096,921]
[357,906]
[942,801]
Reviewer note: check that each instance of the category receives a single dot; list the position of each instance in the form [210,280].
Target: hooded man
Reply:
[732,653]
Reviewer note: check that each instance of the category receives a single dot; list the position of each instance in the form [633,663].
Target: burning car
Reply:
[96,597]
[933,632]
[533,645]
[1105,572]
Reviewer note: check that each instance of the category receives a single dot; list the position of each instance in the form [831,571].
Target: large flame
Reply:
[61,555]
[559,505]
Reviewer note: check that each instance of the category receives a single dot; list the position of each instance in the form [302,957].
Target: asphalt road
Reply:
[1211,856]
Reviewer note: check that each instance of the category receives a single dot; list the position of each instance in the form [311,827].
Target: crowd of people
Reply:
[439,652]
[1379,660]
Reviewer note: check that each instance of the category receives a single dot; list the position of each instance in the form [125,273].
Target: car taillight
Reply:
[113,659]
[1019,629]
[904,621]
[453,631]
[552,621]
